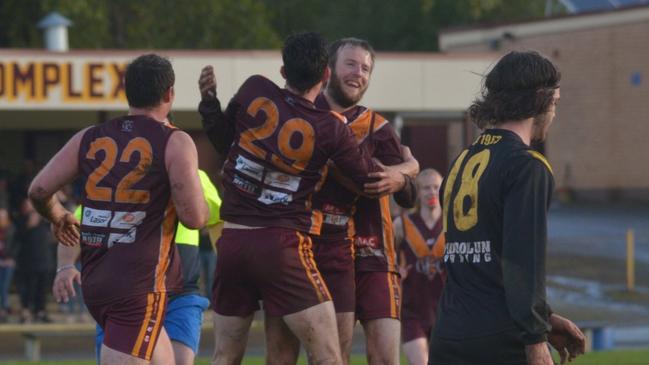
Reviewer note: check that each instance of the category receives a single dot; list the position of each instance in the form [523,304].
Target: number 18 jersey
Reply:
[128,219]
[495,201]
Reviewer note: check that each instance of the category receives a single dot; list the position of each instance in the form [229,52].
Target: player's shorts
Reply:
[505,348]
[412,329]
[274,265]
[132,325]
[335,260]
[182,322]
[378,295]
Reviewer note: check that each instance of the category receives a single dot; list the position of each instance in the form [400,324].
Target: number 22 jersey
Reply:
[128,220]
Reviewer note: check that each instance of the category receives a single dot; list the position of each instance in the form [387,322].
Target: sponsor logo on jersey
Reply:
[274,197]
[335,219]
[250,168]
[367,241]
[368,246]
[330,208]
[127,126]
[126,220]
[95,217]
[121,238]
[281,180]
[468,252]
[428,266]
[92,239]
[245,185]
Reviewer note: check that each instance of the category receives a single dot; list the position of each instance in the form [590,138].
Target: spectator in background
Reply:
[34,262]
[7,263]
[4,193]
[20,183]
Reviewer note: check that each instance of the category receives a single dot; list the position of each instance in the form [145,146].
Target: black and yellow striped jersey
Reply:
[495,201]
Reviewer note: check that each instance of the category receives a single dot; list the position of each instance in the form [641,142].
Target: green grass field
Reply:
[619,357]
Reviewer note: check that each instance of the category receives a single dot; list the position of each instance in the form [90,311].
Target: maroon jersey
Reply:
[335,201]
[374,241]
[278,159]
[423,285]
[128,220]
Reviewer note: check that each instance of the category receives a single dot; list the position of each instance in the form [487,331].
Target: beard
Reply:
[341,98]
[540,128]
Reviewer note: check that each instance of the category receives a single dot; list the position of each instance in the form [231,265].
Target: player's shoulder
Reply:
[258,80]
[521,158]
[256,85]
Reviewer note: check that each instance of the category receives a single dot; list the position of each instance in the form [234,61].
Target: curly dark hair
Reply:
[520,86]
[147,78]
[305,60]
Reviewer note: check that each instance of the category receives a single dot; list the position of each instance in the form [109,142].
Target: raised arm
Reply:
[181,160]
[218,126]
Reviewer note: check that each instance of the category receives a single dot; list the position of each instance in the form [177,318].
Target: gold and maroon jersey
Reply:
[128,219]
[277,160]
[374,239]
[366,220]
[421,251]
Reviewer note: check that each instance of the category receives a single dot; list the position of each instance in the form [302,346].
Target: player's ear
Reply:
[325,75]
[168,95]
[282,72]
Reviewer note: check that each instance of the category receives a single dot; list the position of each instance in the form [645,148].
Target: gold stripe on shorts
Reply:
[147,317]
[162,299]
[306,257]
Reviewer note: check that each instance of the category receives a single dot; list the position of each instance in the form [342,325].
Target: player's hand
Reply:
[66,230]
[566,338]
[207,83]
[403,271]
[538,354]
[390,181]
[63,287]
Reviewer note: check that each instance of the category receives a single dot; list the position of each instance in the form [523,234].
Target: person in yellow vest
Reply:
[185,309]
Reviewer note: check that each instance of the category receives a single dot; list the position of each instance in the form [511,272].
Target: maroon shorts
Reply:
[378,295]
[274,265]
[412,329]
[132,325]
[335,260]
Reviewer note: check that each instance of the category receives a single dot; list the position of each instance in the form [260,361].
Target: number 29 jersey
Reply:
[495,201]
[282,143]
[128,220]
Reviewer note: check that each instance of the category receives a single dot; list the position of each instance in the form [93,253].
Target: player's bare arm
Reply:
[410,165]
[181,160]
[538,354]
[394,178]
[61,170]
[66,273]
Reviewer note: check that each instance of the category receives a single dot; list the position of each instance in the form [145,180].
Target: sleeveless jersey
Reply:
[423,285]
[128,220]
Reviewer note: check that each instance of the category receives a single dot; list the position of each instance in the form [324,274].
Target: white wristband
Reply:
[64,267]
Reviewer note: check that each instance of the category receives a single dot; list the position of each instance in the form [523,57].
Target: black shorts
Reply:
[505,348]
